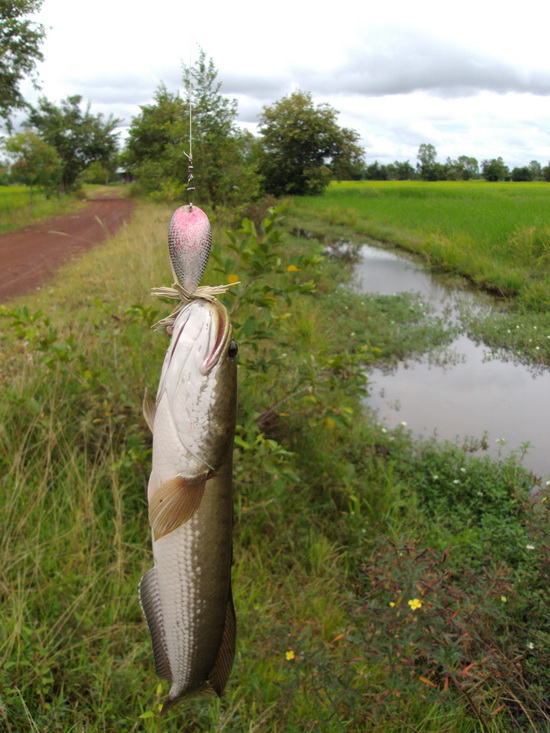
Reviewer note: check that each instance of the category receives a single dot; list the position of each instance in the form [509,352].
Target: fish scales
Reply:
[193,571]
[186,597]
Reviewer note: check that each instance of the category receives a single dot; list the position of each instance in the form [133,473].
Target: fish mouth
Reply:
[220,335]
[205,327]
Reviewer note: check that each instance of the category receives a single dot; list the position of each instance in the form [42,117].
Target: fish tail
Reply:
[173,697]
[217,679]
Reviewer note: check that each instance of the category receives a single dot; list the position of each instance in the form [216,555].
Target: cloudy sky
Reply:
[471,78]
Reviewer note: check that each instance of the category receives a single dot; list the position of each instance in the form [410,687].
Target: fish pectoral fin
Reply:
[149,597]
[174,503]
[226,653]
[149,409]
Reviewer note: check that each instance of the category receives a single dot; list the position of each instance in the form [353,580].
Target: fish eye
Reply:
[233,349]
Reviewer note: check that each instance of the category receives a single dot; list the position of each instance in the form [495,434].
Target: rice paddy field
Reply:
[381,584]
[495,234]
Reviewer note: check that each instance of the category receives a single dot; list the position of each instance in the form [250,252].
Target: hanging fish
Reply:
[189,242]
[186,596]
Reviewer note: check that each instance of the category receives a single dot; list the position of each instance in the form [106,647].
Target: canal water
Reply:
[470,394]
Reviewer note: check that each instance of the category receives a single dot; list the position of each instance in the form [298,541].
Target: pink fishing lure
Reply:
[189,242]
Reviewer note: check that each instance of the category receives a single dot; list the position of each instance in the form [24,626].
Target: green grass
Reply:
[16,209]
[338,522]
[496,235]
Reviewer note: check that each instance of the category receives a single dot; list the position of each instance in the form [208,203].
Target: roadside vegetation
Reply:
[19,206]
[16,209]
[380,583]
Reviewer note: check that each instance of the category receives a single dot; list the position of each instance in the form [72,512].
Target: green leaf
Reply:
[148,714]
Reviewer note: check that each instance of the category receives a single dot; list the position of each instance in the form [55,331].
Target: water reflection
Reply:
[471,394]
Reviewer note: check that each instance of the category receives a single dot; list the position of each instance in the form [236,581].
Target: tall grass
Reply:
[335,518]
[18,208]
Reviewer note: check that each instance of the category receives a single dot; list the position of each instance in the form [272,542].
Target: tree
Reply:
[303,147]
[494,170]
[99,173]
[376,172]
[546,172]
[4,173]
[454,170]
[348,163]
[79,137]
[536,170]
[469,166]
[522,174]
[216,141]
[403,171]
[35,162]
[427,165]
[155,150]
[20,41]
[158,142]
[462,169]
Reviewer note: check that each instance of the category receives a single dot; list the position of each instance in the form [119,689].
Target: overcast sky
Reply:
[471,78]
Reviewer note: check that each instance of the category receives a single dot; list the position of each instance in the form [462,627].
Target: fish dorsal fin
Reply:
[226,653]
[174,503]
[152,610]
[149,409]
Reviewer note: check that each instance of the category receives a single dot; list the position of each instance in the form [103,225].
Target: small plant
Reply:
[432,623]
[258,256]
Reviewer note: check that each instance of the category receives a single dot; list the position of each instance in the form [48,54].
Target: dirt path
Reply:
[29,256]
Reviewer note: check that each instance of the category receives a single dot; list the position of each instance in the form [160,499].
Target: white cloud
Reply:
[471,79]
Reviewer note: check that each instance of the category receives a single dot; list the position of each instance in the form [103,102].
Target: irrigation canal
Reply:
[472,392]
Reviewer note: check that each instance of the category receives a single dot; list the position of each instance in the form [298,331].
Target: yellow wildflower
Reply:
[415,603]
[292,268]
[232,278]
[289,655]
[503,599]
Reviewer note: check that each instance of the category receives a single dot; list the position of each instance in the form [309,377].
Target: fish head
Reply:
[198,386]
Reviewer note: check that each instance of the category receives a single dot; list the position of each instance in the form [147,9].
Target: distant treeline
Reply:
[463,168]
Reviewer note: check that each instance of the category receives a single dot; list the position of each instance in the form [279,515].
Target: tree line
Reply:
[299,150]
[463,168]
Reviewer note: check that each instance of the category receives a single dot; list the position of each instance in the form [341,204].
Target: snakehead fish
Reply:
[189,242]
[186,597]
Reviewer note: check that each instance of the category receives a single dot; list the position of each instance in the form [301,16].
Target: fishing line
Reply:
[190,180]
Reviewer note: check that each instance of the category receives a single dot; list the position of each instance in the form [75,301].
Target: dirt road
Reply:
[29,256]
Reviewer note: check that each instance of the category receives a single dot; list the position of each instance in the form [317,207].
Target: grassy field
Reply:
[495,234]
[16,209]
[381,584]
